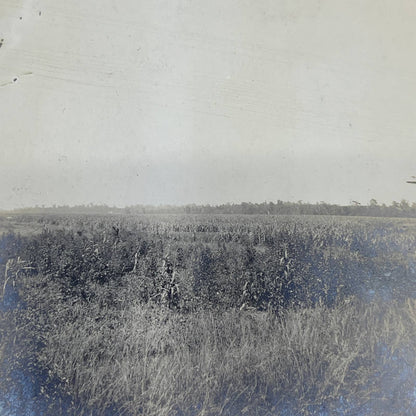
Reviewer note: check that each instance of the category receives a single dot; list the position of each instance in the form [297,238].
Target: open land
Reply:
[207,315]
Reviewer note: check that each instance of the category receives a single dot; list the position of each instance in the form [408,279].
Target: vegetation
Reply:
[208,315]
[402,209]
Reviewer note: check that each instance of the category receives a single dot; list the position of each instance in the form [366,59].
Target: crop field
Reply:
[207,315]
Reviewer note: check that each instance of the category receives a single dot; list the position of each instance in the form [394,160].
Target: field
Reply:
[207,315]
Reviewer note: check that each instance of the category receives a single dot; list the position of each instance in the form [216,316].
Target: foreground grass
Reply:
[350,359]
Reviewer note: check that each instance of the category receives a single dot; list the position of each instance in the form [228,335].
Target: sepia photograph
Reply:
[207,208]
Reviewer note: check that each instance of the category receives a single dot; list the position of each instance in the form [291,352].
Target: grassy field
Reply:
[207,315]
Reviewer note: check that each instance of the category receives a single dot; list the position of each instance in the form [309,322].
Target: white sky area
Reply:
[129,102]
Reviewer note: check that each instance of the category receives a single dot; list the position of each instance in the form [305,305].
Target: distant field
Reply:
[207,315]
[10,223]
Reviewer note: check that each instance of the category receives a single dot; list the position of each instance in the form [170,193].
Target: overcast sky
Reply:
[151,102]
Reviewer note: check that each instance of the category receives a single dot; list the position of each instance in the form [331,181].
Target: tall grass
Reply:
[350,359]
[273,317]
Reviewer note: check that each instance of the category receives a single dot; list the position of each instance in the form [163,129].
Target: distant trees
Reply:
[372,209]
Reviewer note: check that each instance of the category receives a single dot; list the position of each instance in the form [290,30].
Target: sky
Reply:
[125,102]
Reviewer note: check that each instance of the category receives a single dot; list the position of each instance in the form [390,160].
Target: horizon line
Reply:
[91,205]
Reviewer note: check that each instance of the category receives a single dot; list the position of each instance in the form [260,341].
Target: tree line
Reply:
[372,209]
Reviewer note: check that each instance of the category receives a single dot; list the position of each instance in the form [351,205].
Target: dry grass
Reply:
[157,362]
